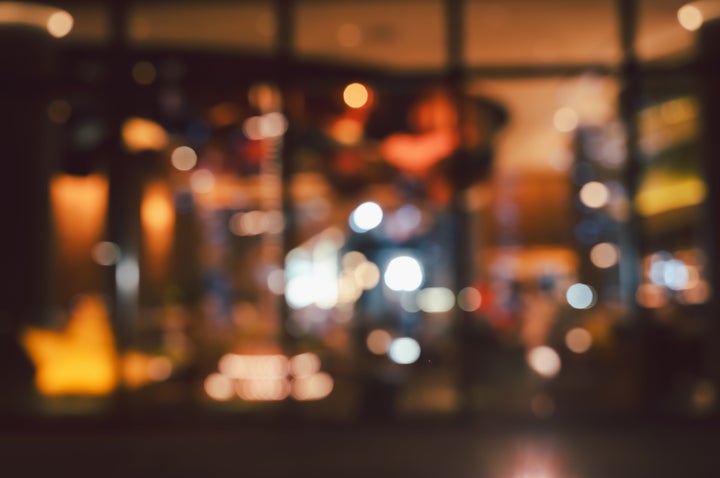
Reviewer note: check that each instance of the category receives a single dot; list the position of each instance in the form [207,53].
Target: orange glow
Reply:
[81,360]
[141,134]
[356,95]
[158,220]
[59,24]
[139,369]
[417,153]
[79,205]
[378,341]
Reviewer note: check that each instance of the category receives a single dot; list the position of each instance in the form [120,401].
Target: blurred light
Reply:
[409,302]
[365,217]
[690,17]
[661,196]
[263,389]
[141,134]
[355,95]
[349,35]
[156,210]
[604,255]
[651,296]
[436,299]
[219,387]
[300,292]
[249,223]
[127,275]
[59,24]
[403,273]
[183,158]
[59,111]
[704,396]
[270,125]
[304,365]
[699,293]
[81,359]
[565,119]
[202,181]
[144,73]
[106,253]
[408,217]
[404,350]
[580,296]
[159,369]
[542,406]
[367,275]
[353,259]
[675,274]
[544,360]
[594,194]
[378,341]
[347,131]
[276,281]
[314,387]
[469,299]
[578,340]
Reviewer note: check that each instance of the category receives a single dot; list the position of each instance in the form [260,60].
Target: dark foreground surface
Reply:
[462,449]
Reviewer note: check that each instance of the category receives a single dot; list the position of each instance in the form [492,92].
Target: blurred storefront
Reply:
[360,210]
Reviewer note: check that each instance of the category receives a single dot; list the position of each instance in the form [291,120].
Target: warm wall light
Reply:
[356,95]
[55,21]
[158,219]
[140,134]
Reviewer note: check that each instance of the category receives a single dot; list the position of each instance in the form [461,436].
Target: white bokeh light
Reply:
[404,350]
[544,360]
[403,273]
[580,296]
[365,217]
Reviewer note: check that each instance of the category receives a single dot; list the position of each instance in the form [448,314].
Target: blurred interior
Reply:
[359,212]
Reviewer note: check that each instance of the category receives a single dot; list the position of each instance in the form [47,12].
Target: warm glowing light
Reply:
[378,341]
[604,255]
[139,369]
[263,389]
[219,387]
[651,296]
[365,217]
[202,181]
[367,275]
[304,365]
[144,72]
[690,17]
[313,387]
[253,366]
[594,194]
[581,296]
[469,299]
[578,340]
[666,195]
[59,24]
[270,125]
[159,368]
[183,158]
[141,134]
[80,360]
[300,292]
[544,360]
[565,119]
[436,300]
[355,95]
[59,111]
[106,253]
[276,281]
[404,350]
[403,273]
[157,215]
[349,35]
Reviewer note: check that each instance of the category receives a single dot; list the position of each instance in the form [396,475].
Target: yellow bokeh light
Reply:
[356,95]
[690,17]
[59,24]
[81,360]
[141,134]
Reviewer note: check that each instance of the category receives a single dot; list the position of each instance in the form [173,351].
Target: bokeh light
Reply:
[183,158]
[578,340]
[304,365]
[378,341]
[469,299]
[403,273]
[219,387]
[349,35]
[544,360]
[690,17]
[594,194]
[60,24]
[366,216]
[404,350]
[202,181]
[565,119]
[604,255]
[106,253]
[436,300]
[314,387]
[356,95]
[581,296]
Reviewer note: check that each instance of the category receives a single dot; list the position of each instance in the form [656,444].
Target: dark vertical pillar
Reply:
[26,69]
[709,62]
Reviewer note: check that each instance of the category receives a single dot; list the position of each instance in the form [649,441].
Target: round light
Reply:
[202,181]
[565,119]
[469,299]
[690,17]
[404,350]
[366,216]
[355,95]
[59,24]
[544,361]
[106,253]
[578,340]
[378,341]
[219,387]
[604,255]
[580,296]
[436,300]
[594,194]
[184,158]
[403,273]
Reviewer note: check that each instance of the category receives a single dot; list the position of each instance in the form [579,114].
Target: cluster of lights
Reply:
[253,223]
[266,126]
[668,275]
[267,378]
[401,350]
